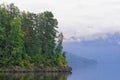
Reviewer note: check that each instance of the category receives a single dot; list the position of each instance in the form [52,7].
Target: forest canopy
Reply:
[29,40]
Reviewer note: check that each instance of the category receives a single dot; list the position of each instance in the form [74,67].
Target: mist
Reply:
[107,57]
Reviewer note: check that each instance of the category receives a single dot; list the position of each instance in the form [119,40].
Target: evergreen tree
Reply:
[47,32]
[3,37]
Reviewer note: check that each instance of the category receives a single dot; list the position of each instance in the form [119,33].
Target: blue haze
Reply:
[105,52]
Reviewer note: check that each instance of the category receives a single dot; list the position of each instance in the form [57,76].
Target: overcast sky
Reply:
[78,19]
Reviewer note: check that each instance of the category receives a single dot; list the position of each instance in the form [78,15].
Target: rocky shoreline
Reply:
[45,70]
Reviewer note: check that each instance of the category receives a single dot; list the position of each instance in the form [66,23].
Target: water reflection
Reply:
[34,76]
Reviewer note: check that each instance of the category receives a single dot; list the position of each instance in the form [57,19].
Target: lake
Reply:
[107,57]
[88,63]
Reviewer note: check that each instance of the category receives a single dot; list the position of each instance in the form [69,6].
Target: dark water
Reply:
[83,61]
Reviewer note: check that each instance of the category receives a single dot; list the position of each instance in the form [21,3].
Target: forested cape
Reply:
[29,40]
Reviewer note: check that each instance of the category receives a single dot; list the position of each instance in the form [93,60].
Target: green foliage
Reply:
[47,32]
[29,40]
[16,41]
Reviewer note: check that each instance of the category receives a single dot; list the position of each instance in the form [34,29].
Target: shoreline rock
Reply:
[45,70]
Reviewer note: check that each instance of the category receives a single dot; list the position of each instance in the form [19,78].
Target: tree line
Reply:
[29,40]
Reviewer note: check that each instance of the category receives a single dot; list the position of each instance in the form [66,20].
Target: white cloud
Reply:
[78,19]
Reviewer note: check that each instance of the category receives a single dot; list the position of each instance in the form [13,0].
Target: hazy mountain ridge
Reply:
[80,61]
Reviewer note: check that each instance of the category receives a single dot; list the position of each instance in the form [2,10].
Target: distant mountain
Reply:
[76,61]
[91,49]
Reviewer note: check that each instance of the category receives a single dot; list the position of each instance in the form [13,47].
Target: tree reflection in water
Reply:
[34,76]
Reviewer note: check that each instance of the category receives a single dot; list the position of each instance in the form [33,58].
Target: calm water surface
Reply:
[107,67]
